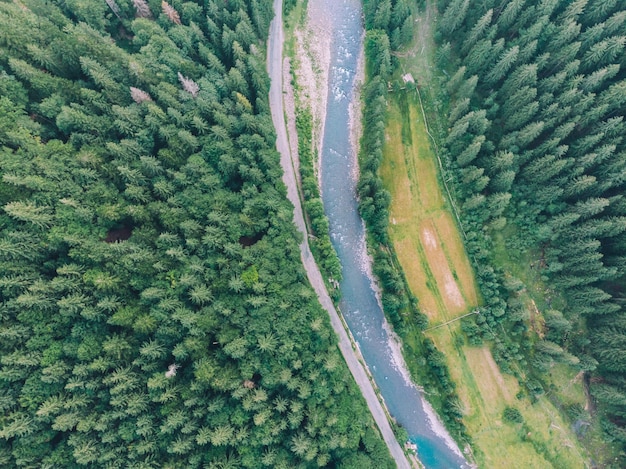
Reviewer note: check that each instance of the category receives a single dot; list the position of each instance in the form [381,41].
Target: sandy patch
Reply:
[429,238]
[495,373]
[438,428]
[312,71]
[448,231]
[451,290]
[395,346]
[537,322]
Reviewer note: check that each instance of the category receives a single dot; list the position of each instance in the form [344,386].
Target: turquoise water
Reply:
[360,305]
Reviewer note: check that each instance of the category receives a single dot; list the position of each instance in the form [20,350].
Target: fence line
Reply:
[443,172]
[452,320]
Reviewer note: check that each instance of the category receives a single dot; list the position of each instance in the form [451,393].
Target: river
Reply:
[287,162]
[360,303]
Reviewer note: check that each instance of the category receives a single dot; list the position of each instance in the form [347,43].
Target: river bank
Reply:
[321,75]
[312,69]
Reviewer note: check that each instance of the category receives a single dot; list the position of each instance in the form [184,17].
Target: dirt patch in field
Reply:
[436,257]
[452,290]
[457,257]
[429,239]
[537,322]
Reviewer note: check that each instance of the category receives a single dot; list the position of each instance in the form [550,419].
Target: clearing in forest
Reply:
[422,227]
[430,249]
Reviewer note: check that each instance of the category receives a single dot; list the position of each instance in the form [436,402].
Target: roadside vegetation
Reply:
[315,217]
[154,311]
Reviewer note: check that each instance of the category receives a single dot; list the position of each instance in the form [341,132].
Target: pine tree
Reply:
[454,16]
[603,53]
[504,64]
[508,16]
[477,32]
[170,12]
[469,154]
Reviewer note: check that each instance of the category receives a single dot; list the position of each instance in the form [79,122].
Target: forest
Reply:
[153,307]
[535,146]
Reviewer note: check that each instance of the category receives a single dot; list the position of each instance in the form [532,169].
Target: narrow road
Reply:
[275,70]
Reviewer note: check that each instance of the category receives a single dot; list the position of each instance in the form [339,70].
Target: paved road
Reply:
[274,64]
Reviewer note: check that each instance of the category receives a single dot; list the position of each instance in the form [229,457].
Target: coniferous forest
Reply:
[536,146]
[153,307]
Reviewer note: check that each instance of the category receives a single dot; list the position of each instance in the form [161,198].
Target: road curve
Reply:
[275,70]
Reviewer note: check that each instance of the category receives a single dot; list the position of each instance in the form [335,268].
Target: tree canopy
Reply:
[154,310]
[537,106]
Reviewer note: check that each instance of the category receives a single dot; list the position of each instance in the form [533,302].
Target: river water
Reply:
[360,303]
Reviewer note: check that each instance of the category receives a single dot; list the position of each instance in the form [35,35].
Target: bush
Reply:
[511,414]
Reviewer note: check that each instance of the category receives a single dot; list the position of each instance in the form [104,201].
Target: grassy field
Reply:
[430,249]
[422,226]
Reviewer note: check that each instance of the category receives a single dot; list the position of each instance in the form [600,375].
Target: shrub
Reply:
[511,414]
